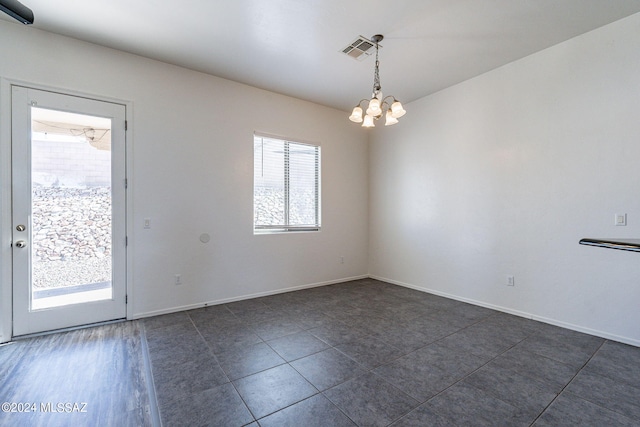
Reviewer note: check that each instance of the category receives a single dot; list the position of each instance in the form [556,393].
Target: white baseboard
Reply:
[526,315]
[177,309]
[555,322]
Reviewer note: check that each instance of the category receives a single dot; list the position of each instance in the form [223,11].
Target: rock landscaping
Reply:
[71,236]
[269,206]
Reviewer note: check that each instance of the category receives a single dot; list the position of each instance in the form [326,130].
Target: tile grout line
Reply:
[584,398]
[288,362]
[263,341]
[470,373]
[318,392]
[369,370]
[569,383]
[218,362]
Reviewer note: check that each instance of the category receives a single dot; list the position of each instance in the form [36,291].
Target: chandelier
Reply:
[378,105]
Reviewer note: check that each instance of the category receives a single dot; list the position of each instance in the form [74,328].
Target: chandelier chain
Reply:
[376,75]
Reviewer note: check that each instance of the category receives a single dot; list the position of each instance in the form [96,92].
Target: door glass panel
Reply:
[71,243]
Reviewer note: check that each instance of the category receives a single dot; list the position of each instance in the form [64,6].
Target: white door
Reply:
[68,200]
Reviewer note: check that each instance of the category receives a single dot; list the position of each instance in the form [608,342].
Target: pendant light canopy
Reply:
[378,104]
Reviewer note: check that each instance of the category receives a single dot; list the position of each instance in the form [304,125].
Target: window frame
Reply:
[287,227]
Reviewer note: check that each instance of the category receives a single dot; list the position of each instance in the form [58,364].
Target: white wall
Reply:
[504,173]
[191,160]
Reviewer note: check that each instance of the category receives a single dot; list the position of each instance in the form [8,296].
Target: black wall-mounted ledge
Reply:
[632,245]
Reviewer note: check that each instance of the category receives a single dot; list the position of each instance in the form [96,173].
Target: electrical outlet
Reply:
[178,281]
[511,281]
[621,219]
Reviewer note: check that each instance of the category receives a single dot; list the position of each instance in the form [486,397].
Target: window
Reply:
[286,185]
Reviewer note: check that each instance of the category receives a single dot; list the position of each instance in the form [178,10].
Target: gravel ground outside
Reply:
[53,274]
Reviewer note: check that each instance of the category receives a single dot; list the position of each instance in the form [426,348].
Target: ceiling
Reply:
[294,47]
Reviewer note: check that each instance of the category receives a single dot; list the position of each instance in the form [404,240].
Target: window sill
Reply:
[257,232]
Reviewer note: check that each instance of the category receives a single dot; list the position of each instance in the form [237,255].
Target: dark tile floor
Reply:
[373,354]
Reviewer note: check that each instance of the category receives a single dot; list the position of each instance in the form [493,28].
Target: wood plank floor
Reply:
[87,377]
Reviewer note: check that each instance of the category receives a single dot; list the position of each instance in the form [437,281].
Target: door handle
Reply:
[21,244]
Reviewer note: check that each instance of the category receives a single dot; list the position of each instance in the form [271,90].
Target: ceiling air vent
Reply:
[360,48]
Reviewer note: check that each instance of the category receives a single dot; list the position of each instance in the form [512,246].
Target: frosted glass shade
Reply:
[368,122]
[389,119]
[356,115]
[374,107]
[396,110]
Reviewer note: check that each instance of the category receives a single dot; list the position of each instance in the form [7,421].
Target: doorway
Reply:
[68,210]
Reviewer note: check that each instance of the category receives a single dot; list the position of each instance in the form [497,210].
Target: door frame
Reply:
[6,268]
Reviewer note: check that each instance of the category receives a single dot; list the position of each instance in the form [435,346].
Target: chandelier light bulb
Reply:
[368,122]
[389,119]
[356,115]
[397,110]
[374,107]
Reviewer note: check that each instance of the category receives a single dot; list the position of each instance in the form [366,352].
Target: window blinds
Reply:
[286,185]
